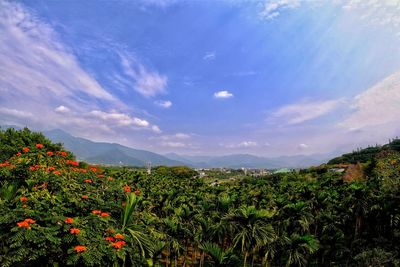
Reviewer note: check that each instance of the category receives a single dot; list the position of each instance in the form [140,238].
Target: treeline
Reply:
[366,154]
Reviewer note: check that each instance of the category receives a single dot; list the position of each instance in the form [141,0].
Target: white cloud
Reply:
[375,12]
[378,105]
[35,65]
[272,8]
[302,146]
[302,112]
[119,119]
[147,83]
[173,144]
[62,109]
[174,137]
[37,70]
[156,129]
[223,94]
[163,103]
[209,56]
[182,136]
[16,113]
[244,144]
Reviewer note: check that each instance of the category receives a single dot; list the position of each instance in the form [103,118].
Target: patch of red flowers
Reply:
[74,231]
[57,172]
[127,189]
[49,153]
[35,167]
[23,199]
[18,154]
[109,238]
[26,223]
[69,220]
[88,181]
[39,146]
[96,212]
[50,169]
[105,214]
[118,244]
[5,164]
[62,153]
[80,248]
[71,162]
[25,149]
[85,197]
[119,236]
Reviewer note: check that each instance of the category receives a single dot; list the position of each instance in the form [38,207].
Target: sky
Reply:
[262,77]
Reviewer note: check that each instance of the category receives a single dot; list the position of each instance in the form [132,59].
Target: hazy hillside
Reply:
[251,161]
[116,154]
[108,153]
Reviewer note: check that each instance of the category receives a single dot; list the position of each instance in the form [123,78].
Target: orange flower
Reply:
[109,238]
[57,172]
[5,164]
[62,153]
[79,248]
[24,224]
[74,231]
[50,153]
[119,236]
[85,197]
[39,146]
[18,154]
[93,169]
[88,181]
[96,211]
[71,162]
[118,244]
[23,199]
[29,221]
[69,220]
[25,149]
[104,214]
[127,189]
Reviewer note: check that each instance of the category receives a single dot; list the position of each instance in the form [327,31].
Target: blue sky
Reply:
[272,77]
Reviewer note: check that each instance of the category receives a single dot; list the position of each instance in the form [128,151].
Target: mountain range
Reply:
[116,154]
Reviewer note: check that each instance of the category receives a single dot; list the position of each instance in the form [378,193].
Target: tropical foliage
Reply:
[58,211]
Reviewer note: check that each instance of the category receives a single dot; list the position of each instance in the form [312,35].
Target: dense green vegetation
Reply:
[366,154]
[56,211]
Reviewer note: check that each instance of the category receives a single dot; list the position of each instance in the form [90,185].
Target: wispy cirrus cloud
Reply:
[146,82]
[301,112]
[163,103]
[378,105]
[43,85]
[272,8]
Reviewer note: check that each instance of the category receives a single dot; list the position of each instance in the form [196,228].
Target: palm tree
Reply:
[219,256]
[300,247]
[250,229]
[137,233]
